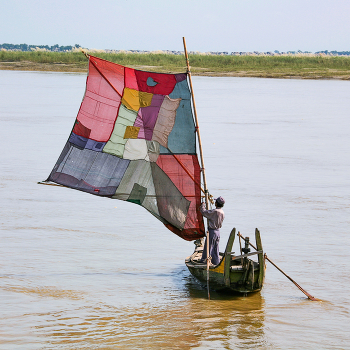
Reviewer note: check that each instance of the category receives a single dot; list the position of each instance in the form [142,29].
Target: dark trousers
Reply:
[214,238]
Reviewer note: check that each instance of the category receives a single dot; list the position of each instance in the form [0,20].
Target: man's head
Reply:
[219,202]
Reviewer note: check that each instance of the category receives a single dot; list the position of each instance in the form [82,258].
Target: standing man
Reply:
[216,217]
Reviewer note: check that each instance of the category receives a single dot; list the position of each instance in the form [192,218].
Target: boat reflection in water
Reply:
[227,320]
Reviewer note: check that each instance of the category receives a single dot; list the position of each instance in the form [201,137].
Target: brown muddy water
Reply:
[82,272]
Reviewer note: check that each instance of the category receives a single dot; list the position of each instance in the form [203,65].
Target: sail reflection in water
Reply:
[188,323]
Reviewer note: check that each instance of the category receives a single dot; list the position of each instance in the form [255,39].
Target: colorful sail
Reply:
[134,139]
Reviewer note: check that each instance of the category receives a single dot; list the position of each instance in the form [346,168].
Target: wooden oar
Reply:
[303,290]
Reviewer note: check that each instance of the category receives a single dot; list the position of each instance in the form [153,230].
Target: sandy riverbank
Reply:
[82,68]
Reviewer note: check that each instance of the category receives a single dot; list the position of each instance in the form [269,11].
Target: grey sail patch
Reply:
[172,205]
[138,172]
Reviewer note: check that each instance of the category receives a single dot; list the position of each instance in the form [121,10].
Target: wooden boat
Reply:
[234,273]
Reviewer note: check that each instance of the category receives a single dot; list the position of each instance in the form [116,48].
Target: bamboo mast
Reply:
[201,156]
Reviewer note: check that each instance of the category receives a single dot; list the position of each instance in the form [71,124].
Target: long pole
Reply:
[240,246]
[201,155]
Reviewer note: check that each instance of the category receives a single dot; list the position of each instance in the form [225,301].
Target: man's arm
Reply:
[206,213]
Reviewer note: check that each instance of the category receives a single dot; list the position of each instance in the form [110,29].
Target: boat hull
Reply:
[233,274]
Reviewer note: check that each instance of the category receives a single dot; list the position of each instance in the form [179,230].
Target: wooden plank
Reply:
[227,257]
[260,258]
[244,255]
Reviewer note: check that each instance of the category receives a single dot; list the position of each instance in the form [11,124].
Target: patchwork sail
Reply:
[134,139]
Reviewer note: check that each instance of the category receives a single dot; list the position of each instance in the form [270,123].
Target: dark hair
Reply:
[218,204]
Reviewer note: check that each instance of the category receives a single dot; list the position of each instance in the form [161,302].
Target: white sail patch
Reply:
[136,149]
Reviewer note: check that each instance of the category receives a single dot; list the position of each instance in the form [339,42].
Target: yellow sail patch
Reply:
[131,132]
[134,99]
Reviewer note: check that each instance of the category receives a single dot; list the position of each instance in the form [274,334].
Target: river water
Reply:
[82,272]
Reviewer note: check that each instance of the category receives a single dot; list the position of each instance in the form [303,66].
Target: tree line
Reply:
[25,47]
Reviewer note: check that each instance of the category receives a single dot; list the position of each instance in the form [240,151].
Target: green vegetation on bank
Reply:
[312,67]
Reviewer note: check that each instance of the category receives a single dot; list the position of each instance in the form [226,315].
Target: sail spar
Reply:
[134,139]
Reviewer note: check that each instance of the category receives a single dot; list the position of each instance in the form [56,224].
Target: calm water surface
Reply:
[82,272]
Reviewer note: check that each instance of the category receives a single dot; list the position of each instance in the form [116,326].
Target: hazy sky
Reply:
[219,25]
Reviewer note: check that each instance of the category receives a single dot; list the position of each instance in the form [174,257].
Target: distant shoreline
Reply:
[287,67]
